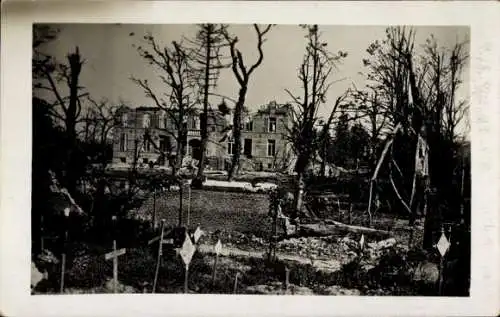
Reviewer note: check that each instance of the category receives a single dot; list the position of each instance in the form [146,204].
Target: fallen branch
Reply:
[331,227]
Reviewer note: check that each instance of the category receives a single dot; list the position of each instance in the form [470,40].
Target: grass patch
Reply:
[216,210]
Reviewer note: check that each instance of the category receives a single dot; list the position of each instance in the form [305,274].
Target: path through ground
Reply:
[322,264]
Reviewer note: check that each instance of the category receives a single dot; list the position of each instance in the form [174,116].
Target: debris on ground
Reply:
[36,275]
[121,288]
[277,288]
[426,272]
[338,290]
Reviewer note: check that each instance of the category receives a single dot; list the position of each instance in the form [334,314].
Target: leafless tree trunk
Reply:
[314,75]
[242,74]
[175,63]
[206,53]
[65,109]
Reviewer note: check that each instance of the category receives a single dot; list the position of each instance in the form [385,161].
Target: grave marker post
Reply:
[189,206]
[235,288]
[160,249]
[64,246]
[186,253]
[114,255]
[218,248]
[287,279]
[443,246]
[42,242]
[154,208]
[186,276]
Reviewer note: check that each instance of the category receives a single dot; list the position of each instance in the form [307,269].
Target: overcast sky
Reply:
[111,59]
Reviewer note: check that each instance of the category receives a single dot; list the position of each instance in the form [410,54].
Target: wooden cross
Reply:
[114,255]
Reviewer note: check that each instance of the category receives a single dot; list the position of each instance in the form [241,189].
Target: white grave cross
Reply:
[114,255]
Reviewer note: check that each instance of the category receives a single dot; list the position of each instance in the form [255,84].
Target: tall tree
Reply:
[208,59]
[416,90]
[373,114]
[66,109]
[242,73]
[175,63]
[100,120]
[324,137]
[314,75]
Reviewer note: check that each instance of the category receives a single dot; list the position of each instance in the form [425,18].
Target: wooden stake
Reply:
[462,199]
[441,278]
[370,204]
[215,268]
[158,261]
[154,209]
[340,211]
[189,206]
[186,275]
[42,242]
[115,269]
[180,204]
[350,213]
[287,279]
[235,288]
[63,261]
[63,264]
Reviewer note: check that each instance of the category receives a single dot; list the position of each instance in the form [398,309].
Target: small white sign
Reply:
[362,242]
[187,250]
[197,234]
[218,247]
[443,244]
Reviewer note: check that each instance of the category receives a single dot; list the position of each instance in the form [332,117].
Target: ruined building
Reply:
[264,144]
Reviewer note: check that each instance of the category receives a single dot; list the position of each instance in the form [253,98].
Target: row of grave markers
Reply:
[188,249]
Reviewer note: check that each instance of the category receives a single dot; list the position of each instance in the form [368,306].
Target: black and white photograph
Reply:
[267,158]
[251,159]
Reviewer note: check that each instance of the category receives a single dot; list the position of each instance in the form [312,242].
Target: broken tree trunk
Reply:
[379,164]
[332,227]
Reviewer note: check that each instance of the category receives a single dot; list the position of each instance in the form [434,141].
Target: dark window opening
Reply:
[247,148]
[272,124]
[249,126]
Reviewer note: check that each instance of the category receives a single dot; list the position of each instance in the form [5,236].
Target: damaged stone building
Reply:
[264,143]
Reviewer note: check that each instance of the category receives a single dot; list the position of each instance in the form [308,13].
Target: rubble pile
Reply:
[277,288]
[338,290]
[309,247]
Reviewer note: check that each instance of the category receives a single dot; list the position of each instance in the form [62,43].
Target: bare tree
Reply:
[314,75]
[180,99]
[65,109]
[208,61]
[416,91]
[242,73]
[100,120]
[373,113]
[324,134]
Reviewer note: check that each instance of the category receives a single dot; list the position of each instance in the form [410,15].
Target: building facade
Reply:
[264,144]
